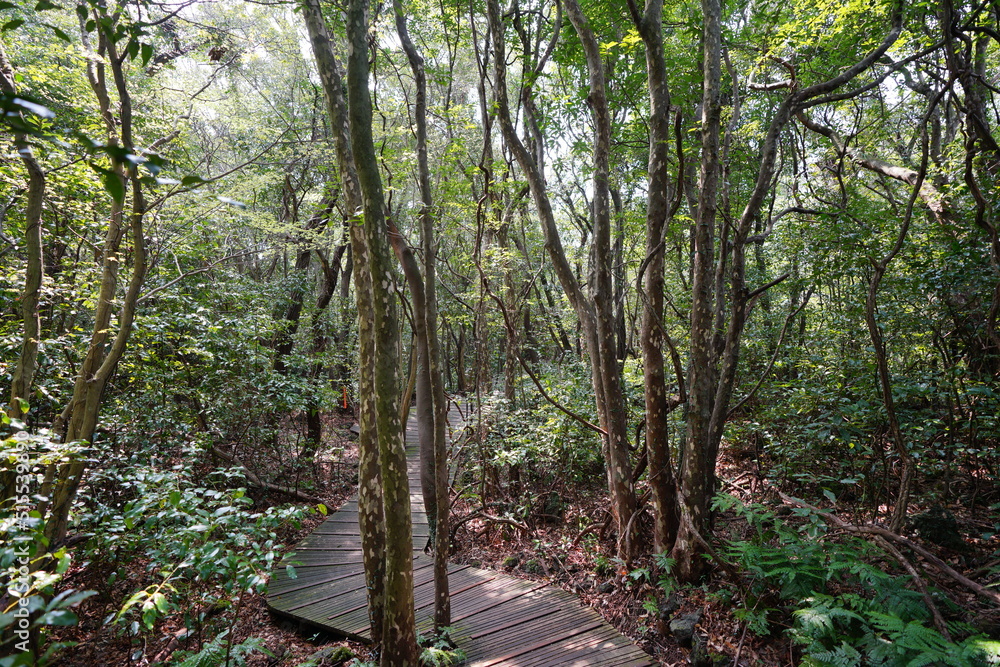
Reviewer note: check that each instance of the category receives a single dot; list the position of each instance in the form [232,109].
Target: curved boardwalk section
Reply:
[496,619]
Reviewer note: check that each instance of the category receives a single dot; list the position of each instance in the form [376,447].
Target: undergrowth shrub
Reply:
[534,442]
[846,608]
[33,603]
[197,537]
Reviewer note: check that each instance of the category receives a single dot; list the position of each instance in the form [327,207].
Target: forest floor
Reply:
[557,541]
[567,556]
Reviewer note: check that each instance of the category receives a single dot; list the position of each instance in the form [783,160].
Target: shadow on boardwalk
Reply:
[496,619]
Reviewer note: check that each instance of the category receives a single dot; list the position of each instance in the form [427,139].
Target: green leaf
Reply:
[82,12]
[113,184]
[7,5]
[91,24]
[322,509]
[830,495]
[58,617]
[59,33]
[160,602]
[19,660]
[22,104]
[44,5]
[70,598]
[147,53]
[192,180]
[12,25]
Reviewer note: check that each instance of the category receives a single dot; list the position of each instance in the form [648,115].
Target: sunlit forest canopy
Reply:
[713,287]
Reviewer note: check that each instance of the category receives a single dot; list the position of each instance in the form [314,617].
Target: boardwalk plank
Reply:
[499,621]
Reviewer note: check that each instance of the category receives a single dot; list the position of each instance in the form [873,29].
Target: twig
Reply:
[538,385]
[739,647]
[774,357]
[592,528]
[479,514]
[193,273]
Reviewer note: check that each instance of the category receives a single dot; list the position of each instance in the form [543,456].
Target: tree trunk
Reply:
[662,482]
[595,316]
[81,415]
[24,372]
[399,638]
[437,510]
[371,514]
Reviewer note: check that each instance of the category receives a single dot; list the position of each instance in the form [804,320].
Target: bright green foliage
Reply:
[203,545]
[439,649]
[538,440]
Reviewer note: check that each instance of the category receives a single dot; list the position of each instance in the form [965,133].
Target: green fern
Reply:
[844,655]
[437,657]
[213,654]
[881,622]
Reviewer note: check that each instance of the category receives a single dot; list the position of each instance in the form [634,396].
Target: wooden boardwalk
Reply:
[497,620]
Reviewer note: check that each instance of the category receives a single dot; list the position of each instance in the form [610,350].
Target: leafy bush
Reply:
[202,545]
[219,651]
[31,572]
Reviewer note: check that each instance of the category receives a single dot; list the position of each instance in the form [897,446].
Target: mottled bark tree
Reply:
[399,642]
[652,335]
[78,420]
[715,345]
[438,509]
[370,504]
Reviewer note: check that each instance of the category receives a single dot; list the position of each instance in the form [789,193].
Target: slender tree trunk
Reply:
[697,468]
[437,510]
[81,415]
[399,640]
[293,311]
[24,372]
[662,482]
[331,275]
[596,318]
[371,514]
